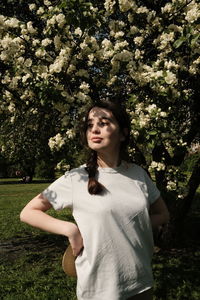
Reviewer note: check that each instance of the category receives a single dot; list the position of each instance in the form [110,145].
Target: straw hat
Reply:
[68,262]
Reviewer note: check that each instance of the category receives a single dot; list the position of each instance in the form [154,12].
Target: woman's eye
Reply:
[89,125]
[104,123]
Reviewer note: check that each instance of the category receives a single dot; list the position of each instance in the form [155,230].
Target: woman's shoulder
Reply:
[135,170]
[134,166]
[80,170]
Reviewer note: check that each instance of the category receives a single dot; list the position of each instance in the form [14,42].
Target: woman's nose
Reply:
[95,128]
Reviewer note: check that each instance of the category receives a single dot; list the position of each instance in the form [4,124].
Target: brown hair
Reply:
[120,114]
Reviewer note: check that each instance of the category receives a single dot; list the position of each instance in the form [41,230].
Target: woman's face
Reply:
[103,132]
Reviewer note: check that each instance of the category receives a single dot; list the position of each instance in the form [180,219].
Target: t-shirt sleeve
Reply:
[59,193]
[152,191]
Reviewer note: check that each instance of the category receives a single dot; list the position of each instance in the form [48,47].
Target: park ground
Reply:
[30,260]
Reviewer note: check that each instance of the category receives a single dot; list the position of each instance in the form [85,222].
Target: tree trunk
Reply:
[173,233]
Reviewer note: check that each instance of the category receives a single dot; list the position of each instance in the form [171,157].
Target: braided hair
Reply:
[120,114]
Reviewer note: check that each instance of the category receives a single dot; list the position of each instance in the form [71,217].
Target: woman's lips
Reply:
[96,139]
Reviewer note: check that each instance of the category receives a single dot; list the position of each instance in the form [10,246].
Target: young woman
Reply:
[115,205]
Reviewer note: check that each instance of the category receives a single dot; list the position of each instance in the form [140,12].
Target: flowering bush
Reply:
[56,58]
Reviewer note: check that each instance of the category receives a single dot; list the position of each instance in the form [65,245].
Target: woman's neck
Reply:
[106,161]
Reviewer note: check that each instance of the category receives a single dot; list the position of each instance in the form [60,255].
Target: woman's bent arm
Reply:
[159,213]
[34,215]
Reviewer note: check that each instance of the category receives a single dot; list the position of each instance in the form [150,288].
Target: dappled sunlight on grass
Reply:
[30,260]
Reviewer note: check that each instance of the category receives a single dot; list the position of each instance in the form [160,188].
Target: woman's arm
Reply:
[34,215]
[159,213]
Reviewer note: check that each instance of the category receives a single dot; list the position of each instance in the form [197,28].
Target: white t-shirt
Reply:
[117,235]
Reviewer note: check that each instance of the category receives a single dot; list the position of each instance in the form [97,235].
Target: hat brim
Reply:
[68,262]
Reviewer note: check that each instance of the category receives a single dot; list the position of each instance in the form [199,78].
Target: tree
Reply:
[57,57]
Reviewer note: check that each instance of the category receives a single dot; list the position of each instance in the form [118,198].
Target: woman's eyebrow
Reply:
[101,118]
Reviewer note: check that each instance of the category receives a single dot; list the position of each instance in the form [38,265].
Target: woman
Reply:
[115,205]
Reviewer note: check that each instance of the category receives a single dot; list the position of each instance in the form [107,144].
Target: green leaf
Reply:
[152,132]
[179,42]
[195,39]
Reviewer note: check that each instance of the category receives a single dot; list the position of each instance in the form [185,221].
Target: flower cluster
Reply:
[56,58]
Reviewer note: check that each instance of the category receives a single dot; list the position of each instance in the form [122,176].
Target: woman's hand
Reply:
[75,239]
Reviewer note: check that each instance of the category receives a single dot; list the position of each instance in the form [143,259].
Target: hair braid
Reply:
[94,187]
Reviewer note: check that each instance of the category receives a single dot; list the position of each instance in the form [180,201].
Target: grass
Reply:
[30,260]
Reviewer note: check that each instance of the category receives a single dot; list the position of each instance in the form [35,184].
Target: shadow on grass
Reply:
[39,246]
[19,181]
[177,274]
[176,270]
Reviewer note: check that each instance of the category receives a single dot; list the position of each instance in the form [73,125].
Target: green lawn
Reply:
[30,260]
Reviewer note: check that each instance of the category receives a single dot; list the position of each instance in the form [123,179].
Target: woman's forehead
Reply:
[100,113]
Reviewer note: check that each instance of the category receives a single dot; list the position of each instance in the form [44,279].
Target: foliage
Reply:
[58,56]
[45,169]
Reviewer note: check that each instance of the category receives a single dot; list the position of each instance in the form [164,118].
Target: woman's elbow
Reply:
[23,216]
[166,217]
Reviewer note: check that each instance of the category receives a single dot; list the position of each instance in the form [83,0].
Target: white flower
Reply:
[12,119]
[40,53]
[143,120]
[138,54]
[13,22]
[46,42]
[11,107]
[153,164]
[70,133]
[138,40]
[119,34]
[40,11]
[4,56]
[30,28]
[167,8]
[109,5]
[171,185]
[85,87]
[124,56]
[62,166]
[106,43]
[171,64]
[78,31]
[71,68]
[112,81]
[32,6]
[28,62]
[35,42]
[82,97]
[56,142]
[193,13]
[125,5]
[47,3]
[165,38]
[2,21]
[6,42]
[51,21]
[120,45]
[151,108]
[108,54]
[134,30]
[157,165]
[56,67]
[157,74]
[25,77]
[170,78]
[142,10]
[57,42]
[163,114]
[61,20]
